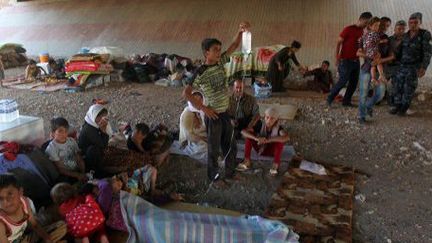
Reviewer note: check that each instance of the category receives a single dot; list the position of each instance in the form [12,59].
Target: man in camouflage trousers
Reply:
[414,54]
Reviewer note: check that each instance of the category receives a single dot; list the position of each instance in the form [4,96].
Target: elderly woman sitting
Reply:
[268,138]
[193,134]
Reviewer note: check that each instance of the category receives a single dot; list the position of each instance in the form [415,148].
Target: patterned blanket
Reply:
[257,62]
[148,223]
[319,207]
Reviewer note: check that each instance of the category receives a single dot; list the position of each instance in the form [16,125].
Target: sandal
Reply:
[243,167]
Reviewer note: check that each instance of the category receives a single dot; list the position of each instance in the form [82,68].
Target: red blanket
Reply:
[82,66]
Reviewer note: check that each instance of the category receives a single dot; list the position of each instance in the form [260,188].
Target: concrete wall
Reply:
[178,26]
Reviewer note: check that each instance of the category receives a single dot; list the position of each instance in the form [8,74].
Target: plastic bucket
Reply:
[44,57]
[264,91]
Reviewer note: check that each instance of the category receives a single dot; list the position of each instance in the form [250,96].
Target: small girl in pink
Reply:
[371,41]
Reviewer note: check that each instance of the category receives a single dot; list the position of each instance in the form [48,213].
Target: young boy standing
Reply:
[16,212]
[212,81]
[64,151]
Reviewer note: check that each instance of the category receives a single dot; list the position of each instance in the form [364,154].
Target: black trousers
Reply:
[94,161]
[349,71]
[220,138]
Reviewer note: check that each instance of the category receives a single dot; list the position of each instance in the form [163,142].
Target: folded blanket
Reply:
[148,223]
[82,66]
[257,62]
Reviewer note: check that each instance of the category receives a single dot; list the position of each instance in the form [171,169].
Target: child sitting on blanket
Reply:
[64,151]
[267,137]
[84,218]
[32,71]
[16,212]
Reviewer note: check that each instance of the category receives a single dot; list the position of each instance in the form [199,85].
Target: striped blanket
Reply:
[148,223]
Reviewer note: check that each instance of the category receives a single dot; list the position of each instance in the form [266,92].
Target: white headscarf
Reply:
[91,116]
[191,108]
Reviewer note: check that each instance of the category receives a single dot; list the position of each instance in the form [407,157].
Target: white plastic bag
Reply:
[313,167]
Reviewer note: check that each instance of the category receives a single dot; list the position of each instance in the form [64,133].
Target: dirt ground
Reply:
[395,179]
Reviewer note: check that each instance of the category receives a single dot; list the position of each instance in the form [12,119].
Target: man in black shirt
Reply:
[323,79]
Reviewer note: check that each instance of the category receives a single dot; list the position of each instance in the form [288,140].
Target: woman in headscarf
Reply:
[280,66]
[268,138]
[193,134]
[93,138]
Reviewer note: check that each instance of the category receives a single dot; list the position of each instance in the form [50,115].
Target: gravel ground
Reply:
[395,178]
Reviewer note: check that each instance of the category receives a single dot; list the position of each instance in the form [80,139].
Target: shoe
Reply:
[274,170]
[243,166]
[410,112]
[394,110]
[362,121]
[370,112]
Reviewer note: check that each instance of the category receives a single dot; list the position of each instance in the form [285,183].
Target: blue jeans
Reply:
[366,103]
[348,73]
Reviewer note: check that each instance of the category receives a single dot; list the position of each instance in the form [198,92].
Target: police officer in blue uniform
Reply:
[414,54]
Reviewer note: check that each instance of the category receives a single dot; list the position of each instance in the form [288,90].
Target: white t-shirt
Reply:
[65,152]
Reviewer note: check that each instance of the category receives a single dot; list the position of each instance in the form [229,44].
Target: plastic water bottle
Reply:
[246,43]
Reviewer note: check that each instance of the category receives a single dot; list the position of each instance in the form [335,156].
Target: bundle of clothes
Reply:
[13,55]
[85,70]
[164,69]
